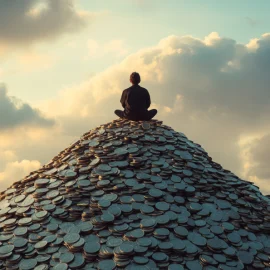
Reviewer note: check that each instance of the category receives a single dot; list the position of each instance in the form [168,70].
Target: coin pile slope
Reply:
[134,195]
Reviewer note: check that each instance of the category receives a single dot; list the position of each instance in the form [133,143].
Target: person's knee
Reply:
[154,112]
[119,113]
[150,114]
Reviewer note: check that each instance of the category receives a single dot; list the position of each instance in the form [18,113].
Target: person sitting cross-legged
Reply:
[136,101]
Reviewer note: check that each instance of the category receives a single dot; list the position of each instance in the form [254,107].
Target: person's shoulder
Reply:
[125,91]
[144,89]
[128,89]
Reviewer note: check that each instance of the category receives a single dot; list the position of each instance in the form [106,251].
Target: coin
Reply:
[125,248]
[41,267]
[20,231]
[66,257]
[192,265]
[175,266]
[27,264]
[71,238]
[78,261]
[20,242]
[41,244]
[60,266]
[159,256]
[106,265]
[91,247]
[181,231]
[6,249]
[162,206]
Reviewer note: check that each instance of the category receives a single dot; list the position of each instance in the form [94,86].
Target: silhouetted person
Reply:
[136,101]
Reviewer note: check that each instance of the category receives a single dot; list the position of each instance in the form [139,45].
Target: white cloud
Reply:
[215,90]
[16,170]
[253,44]
[8,155]
[255,153]
[12,169]
[204,88]
[23,150]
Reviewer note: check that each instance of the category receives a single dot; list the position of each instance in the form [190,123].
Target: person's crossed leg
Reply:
[147,116]
[119,113]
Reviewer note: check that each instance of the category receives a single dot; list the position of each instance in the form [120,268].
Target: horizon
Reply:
[64,65]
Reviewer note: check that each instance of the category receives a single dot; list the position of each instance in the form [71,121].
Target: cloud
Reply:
[212,73]
[215,90]
[24,150]
[28,21]
[15,113]
[257,160]
[8,155]
[12,169]
[255,155]
[16,170]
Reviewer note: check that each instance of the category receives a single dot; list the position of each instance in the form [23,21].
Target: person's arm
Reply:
[148,99]
[123,99]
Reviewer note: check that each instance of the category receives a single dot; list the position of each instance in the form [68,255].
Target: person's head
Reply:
[135,78]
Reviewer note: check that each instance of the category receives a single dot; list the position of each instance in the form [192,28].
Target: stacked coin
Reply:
[134,195]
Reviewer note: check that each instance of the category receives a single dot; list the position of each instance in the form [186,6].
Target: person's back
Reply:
[136,100]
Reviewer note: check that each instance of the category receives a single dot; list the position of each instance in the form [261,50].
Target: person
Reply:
[136,100]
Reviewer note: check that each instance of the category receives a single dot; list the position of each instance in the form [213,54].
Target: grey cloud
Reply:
[17,27]
[15,113]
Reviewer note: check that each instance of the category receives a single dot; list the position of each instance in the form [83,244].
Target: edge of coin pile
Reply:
[134,195]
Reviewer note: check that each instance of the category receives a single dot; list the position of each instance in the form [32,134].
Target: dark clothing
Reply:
[145,117]
[135,101]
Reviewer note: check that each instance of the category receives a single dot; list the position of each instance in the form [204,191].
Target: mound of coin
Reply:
[134,195]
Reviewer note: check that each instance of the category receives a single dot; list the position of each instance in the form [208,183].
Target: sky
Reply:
[65,63]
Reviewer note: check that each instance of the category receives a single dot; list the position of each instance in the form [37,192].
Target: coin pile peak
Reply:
[134,195]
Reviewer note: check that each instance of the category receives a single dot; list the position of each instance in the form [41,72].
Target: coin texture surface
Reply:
[134,195]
